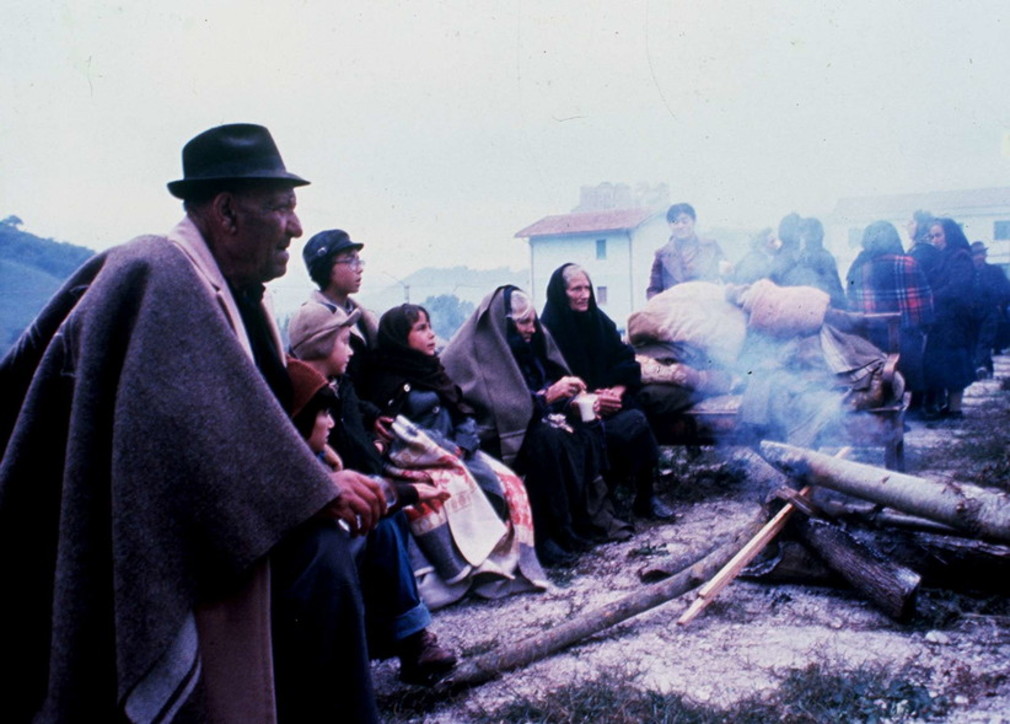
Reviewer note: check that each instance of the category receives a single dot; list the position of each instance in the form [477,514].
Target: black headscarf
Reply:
[588,340]
[395,363]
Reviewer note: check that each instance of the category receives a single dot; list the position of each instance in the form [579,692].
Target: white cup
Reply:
[587,406]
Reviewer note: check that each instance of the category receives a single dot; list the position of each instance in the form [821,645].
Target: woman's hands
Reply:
[567,386]
[608,400]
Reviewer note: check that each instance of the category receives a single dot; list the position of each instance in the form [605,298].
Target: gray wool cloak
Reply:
[146,468]
[479,360]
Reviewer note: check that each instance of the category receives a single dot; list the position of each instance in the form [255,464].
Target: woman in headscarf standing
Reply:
[594,351]
[948,358]
[516,381]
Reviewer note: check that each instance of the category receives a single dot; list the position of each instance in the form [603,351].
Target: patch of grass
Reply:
[806,696]
[648,550]
[867,694]
[610,698]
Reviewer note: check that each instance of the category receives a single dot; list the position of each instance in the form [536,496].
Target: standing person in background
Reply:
[152,485]
[990,298]
[918,228]
[787,255]
[816,266]
[921,248]
[757,262]
[883,279]
[685,257]
[948,359]
[593,349]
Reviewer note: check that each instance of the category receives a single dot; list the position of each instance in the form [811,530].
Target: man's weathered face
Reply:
[266,222]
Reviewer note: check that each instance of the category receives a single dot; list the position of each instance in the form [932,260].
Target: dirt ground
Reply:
[746,643]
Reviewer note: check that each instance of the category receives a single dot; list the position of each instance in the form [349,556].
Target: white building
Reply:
[984,214]
[615,246]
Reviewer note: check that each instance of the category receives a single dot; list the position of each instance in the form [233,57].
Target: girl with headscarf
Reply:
[513,376]
[407,380]
[593,349]
[948,358]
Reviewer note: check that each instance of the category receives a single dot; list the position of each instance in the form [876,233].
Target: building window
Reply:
[1001,230]
[601,296]
[601,248]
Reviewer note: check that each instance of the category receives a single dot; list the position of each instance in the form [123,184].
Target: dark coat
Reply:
[589,340]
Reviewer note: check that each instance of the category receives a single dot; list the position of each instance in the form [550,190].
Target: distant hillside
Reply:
[31,270]
[469,285]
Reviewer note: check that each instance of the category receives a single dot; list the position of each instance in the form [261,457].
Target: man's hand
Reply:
[360,502]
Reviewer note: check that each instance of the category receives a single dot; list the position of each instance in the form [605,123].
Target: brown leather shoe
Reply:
[422,660]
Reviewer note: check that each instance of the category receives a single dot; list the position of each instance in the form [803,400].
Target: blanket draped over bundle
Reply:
[796,374]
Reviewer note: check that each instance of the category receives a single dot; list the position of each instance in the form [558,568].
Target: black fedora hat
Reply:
[234,152]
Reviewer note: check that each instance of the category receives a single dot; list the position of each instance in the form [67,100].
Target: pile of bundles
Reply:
[769,353]
[887,533]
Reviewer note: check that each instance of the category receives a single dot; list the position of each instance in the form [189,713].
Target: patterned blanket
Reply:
[462,545]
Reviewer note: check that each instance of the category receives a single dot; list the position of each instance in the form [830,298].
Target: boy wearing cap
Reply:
[335,265]
[396,619]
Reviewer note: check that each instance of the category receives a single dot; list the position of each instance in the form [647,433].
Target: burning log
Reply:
[533,648]
[977,511]
[889,586]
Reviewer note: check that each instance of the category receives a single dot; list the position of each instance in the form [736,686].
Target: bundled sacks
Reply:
[782,312]
[696,314]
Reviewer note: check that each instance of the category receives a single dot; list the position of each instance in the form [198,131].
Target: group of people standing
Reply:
[953,303]
[953,306]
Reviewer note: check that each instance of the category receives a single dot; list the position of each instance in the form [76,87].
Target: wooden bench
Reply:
[715,420]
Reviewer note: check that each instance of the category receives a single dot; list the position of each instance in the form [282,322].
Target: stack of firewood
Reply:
[887,533]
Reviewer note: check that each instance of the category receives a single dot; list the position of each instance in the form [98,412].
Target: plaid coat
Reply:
[891,283]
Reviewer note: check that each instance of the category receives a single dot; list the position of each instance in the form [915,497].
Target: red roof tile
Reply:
[588,222]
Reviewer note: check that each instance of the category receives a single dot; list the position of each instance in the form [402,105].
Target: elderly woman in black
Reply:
[593,349]
[520,389]
[948,357]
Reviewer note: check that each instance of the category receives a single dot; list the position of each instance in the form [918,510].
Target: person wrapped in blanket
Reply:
[594,351]
[325,412]
[515,379]
[482,542]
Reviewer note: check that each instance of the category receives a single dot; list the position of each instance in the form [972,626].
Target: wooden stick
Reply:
[745,555]
[579,627]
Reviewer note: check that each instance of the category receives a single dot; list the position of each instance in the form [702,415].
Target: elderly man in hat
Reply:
[151,481]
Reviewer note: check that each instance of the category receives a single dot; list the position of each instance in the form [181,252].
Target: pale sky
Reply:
[434,130]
